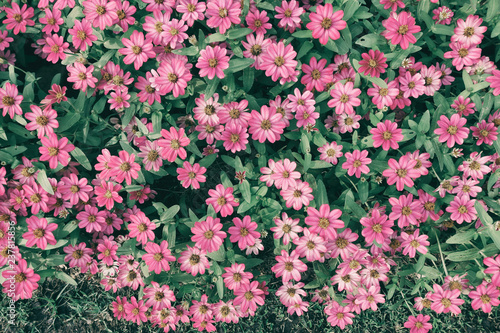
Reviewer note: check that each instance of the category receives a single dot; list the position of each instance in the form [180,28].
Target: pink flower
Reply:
[151,152]
[338,315]
[344,98]
[91,219]
[39,232]
[463,106]
[54,150]
[494,81]
[243,232]
[297,195]
[452,130]
[444,301]
[173,144]
[174,32]
[413,243]
[405,210]
[442,15]
[462,209]
[286,228]
[469,32]
[266,124]
[284,174]
[194,261]
[18,18]
[325,24]
[77,255]
[463,55]
[75,189]
[55,47]
[377,227]
[83,35]
[484,132]
[222,13]
[119,307]
[235,137]
[44,121]
[10,100]
[369,298]
[249,296]
[401,173]
[158,297]
[191,175]
[387,135]
[311,245]
[173,76]
[400,29]
[158,256]
[136,311]
[316,74]
[107,194]
[258,21]
[289,15]
[412,85]
[222,200]
[101,13]
[141,227]
[324,222]
[137,50]
[279,61]
[475,167]
[37,198]
[384,96]
[357,163]
[192,10]
[330,152]
[208,235]
[255,48]
[81,76]
[373,63]
[20,281]
[123,167]
[432,79]
[213,61]
[418,324]
[236,276]
[289,266]
[484,297]
[52,20]
[234,113]
[107,251]
[119,100]
[392,4]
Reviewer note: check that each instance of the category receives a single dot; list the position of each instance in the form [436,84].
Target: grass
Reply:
[58,307]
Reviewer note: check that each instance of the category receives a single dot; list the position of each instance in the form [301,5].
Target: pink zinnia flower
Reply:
[137,50]
[243,232]
[222,200]
[310,245]
[52,20]
[158,297]
[91,219]
[405,210]
[107,194]
[284,174]
[141,227]
[192,11]
[18,18]
[194,261]
[266,124]
[10,100]
[463,106]
[475,167]
[75,189]
[23,278]
[484,132]
[55,47]
[297,195]
[286,228]
[119,100]
[357,163]
[493,268]
[444,301]
[81,76]
[452,130]
[494,81]
[401,173]
[174,32]
[101,13]
[279,61]
[78,255]
[54,150]
[208,235]
[330,152]
[432,79]
[462,209]
[392,4]
[324,222]
[173,144]
[255,48]
[377,227]
[387,135]
[235,137]
[124,167]
[338,315]
[107,251]
[39,232]
[44,121]
[484,297]
[412,85]
[191,175]
[213,61]
[418,324]
[258,21]
[325,24]
[289,266]
[83,35]
[158,256]
[463,55]
[414,242]
[400,29]
[289,15]
[348,122]
[222,13]
[236,276]
[316,75]
[469,32]
[37,198]
[344,98]
[249,296]
[369,298]
[136,311]
[442,15]
[373,63]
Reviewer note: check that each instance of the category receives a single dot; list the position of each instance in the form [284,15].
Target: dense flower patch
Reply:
[194,152]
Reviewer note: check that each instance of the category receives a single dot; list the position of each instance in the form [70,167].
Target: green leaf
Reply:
[302,34]
[216,37]
[493,10]
[187,51]
[235,33]
[425,122]
[443,30]
[68,121]
[219,255]
[211,87]
[430,272]
[371,40]
[350,8]
[236,65]
[113,44]
[461,237]
[44,181]
[66,278]
[220,287]
[78,154]
[245,191]
[488,222]
[466,255]
[170,213]
[467,81]
[321,196]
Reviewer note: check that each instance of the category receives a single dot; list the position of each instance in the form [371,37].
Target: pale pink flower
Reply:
[330,152]
[297,195]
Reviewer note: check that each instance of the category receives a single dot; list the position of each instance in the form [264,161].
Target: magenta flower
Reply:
[191,175]
[44,121]
[418,324]
[392,4]
[158,256]
[258,21]
[494,81]
[173,144]
[324,221]
[101,13]
[213,61]
[310,245]
[469,32]
[266,125]
[37,198]
[222,200]
[255,48]
[107,194]
[286,228]
[387,135]
[39,232]
[284,174]
[75,189]
[462,209]
[78,255]
[463,106]
[297,195]
[136,311]
[401,173]
[107,251]
[174,77]
[23,278]
[81,76]
[330,152]
[442,15]
[124,167]
[208,235]
[412,85]
[400,29]
[369,298]
[222,13]
[18,18]
[10,100]
[463,55]
[137,50]
[236,276]
[377,227]
[338,315]
[493,268]
[83,35]
[414,242]
[278,61]
[141,227]
[54,150]
[406,210]
[357,163]
[191,10]
[484,132]
[289,15]
[289,266]
[373,63]
[344,98]
[55,47]
[158,297]
[325,24]
[52,20]
[316,75]
[484,297]
[452,130]
[243,232]
[444,301]
[194,261]
[91,219]
[235,137]
[234,113]
[249,296]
